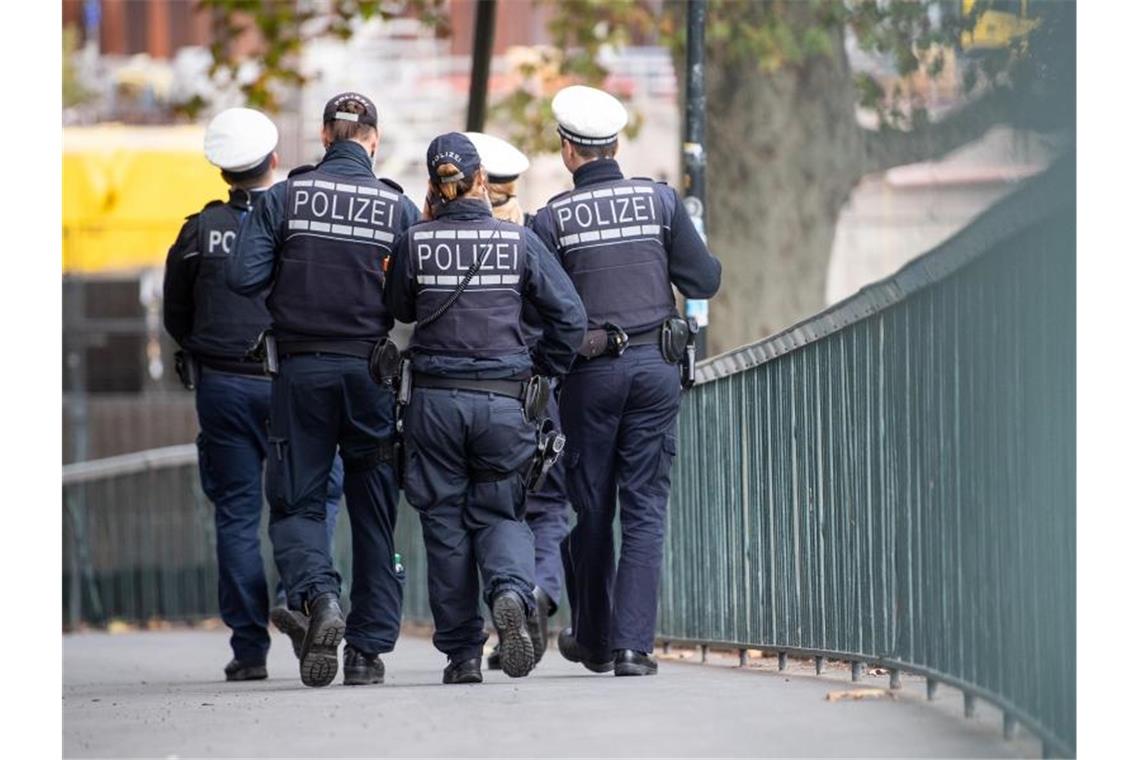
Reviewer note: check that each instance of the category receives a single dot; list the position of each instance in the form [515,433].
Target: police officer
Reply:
[463,277]
[322,239]
[214,328]
[623,242]
[547,510]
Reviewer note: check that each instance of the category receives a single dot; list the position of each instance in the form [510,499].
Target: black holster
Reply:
[679,346]
[384,363]
[609,339]
[186,366]
[264,350]
[689,368]
[535,398]
[550,445]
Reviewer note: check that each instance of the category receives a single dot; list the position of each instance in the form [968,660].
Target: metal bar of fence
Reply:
[905,463]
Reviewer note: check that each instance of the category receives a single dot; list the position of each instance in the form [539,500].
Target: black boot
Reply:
[536,624]
[245,671]
[361,669]
[293,624]
[495,659]
[508,612]
[629,662]
[318,652]
[463,671]
[569,648]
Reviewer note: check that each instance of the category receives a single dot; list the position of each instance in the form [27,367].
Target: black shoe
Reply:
[536,623]
[515,648]
[569,648]
[361,669]
[245,671]
[318,652]
[293,624]
[464,671]
[495,659]
[629,662]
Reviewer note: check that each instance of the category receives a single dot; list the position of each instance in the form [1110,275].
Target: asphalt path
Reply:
[161,694]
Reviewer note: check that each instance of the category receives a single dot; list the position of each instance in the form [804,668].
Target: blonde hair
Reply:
[504,203]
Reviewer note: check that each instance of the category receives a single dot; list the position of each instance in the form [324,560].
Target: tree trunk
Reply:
[784,151]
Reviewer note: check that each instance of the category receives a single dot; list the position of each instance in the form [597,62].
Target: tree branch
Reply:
[887,147]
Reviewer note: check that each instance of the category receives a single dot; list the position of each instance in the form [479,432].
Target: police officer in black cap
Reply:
[624,242]
[323,238]
[214,328]
[463,277]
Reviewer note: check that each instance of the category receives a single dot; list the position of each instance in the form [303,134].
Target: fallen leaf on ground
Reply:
[877,671]
[835,696]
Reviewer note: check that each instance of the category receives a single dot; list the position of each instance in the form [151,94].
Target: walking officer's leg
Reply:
[500,445]
[371,492]
[304,420]
[231,449]
[647,443]
[435,482]
[591,402]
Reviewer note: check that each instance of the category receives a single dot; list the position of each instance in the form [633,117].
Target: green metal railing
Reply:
[893,480]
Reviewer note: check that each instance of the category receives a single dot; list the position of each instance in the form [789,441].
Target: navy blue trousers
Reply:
[232,414]
[322,403]
[548,516]
[620,418]
[466,453]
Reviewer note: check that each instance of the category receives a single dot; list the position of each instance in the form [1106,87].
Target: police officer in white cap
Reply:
[214,328]
[625,243]
[547,510]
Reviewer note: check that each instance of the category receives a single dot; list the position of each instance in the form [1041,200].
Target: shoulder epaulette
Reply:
[392,184]
[211,204]
[302,170]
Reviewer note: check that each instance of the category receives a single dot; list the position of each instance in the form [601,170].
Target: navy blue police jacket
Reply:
[322,239]
[200,312]
[480,336]
[624,242]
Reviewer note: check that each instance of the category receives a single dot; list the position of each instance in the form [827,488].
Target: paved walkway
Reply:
[159,694]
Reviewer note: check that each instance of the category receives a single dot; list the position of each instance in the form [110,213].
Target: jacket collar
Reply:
[598,170]
[347,155]
[464,208]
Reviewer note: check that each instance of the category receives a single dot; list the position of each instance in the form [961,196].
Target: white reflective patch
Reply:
[642,189]
[388,195]
[387,237]
[569,239]
[631,231]
[623,191]
[346,188]
[510,279]
[342,229]
[651,229]
[425,279]
[610,234]
[562,202]
[445,234]
[492,279]
[447,279]
[367,190]
[510,235]
[607,193]
[582,196]
[486,233]
[325,185]
[586,237]
[302,183]
[364,232]
[422,235]
[319,226]
[467,234]
[298,224]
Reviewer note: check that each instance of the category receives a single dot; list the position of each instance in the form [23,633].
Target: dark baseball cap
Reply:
[335,111]
[453,148]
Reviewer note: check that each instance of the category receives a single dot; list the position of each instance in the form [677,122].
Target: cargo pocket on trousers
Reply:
[278,478]
[205,473]
[665,460]
[413,478]
[573,464]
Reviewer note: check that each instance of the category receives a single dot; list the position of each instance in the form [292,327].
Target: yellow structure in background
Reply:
[1000,24]
[126,192]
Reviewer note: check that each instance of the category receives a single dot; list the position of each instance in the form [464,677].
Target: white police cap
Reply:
[588,116]
[238,139]
[502,160]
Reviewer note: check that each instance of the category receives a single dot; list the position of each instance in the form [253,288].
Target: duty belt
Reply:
[361,349]
[515,389]
[231,365]
[650,336]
